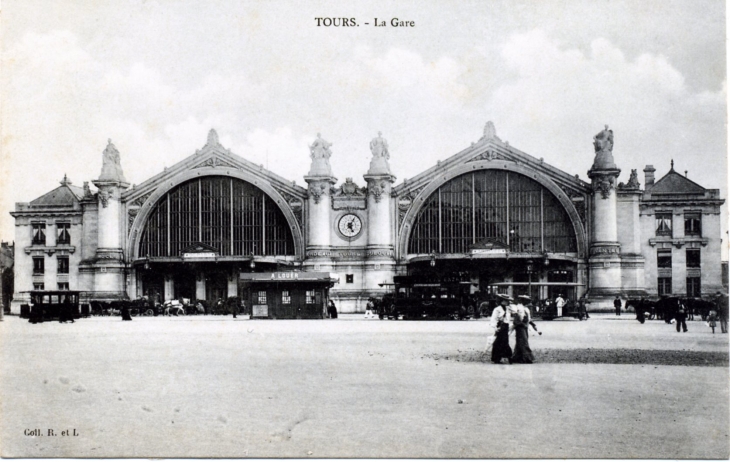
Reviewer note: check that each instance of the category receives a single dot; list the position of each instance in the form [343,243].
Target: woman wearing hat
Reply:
[501,324]
[521,322]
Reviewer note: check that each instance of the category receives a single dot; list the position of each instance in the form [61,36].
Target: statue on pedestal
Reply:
[379,163]
[603,145]
[320,154]
[111,167]
[603,141]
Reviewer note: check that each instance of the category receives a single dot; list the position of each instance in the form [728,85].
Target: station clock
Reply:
[349,225]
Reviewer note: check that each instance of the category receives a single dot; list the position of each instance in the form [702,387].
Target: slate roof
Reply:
[64,195]
[675,183]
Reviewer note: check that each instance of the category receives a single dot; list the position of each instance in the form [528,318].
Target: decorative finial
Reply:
[65,180]
[672,164]
[212,139]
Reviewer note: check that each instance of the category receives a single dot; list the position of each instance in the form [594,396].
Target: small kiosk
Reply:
[287,294]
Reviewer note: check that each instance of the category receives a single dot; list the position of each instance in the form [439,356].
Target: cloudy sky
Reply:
[155,76]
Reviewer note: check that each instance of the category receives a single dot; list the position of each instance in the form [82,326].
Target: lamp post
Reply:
[433,259]
[529,279]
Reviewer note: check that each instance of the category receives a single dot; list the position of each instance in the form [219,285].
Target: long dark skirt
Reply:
[523,354]
[501,348]
[125,314]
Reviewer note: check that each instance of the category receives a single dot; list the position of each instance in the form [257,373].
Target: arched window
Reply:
[495,205]
[229,214]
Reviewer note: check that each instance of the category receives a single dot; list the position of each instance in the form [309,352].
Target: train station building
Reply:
[488,219]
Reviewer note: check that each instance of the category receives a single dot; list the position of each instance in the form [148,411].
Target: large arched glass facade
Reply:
[494,205]
[231,215]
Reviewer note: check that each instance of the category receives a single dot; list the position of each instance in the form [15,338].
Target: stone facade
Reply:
[361,231]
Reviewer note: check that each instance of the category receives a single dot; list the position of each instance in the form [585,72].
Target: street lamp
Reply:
[433,259]
[529,279]
[253,263]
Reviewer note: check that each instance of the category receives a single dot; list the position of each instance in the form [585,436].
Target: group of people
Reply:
[506,318]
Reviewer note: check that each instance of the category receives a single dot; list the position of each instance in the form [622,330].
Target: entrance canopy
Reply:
[289,276]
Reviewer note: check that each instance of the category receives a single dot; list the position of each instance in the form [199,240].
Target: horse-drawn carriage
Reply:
[666,307]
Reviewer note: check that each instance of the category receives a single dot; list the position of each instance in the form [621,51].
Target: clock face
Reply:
[350,225]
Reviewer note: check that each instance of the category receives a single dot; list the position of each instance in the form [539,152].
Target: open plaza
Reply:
[212,386]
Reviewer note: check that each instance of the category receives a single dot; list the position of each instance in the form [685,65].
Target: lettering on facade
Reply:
[605,250]
[286,276]
[198,255]
[350,254]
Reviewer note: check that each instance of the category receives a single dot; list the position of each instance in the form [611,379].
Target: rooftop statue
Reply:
[603,141]
[379,163]
[320,149]
[111,167]
[603,145]
[320,154]
[379,147]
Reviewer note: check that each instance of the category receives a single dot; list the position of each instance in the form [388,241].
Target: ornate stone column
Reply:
[380,255]
[109,266]
[604,262]
[320,180]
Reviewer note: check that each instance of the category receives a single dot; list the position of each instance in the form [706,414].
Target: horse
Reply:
[648,306]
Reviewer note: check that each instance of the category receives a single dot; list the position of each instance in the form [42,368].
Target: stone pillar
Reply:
[109,266]
[319,208]
[169,288]
[604,261]
[380,255]
[200,286]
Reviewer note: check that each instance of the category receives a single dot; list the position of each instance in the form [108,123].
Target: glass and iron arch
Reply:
[229,214]
[492,205]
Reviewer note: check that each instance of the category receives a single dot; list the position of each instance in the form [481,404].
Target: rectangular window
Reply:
[262,297]
[39,234]
[38,286]
[664,258]
[62,265]
[63,286]
[692,224]
[693,287]
[664,224]
[285,297]
[39,266]
[63,235]
[310,297]
[664,286]
[693,258]
[349,278]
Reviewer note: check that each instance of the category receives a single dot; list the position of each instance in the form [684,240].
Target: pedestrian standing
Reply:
[125,313]
[501,324]
[681,316]
[521,322]
[369,309]
[234,307]
[559,304]
[617,305]
[332,309]
[712,319]
[721,304]
[639,308]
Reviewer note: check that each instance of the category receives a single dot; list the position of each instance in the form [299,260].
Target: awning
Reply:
[289,276]
[561,284]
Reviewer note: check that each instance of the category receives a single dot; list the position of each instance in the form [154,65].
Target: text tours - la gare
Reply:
[352,22]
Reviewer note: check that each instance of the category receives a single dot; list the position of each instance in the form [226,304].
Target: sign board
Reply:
[287,276]
[488,251]
[260,311]
[198,256]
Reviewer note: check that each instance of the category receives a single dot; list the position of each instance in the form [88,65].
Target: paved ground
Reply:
[215,387]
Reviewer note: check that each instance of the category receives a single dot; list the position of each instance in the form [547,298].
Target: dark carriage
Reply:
[548,310]
[47,305]
[648,307]
[424,297]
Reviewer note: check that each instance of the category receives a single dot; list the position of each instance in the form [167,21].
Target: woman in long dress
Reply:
[521,322]
[501,324]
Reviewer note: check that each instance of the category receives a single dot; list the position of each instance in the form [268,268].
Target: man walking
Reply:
[721,301]
[617,305]
[681,316]
[559,304]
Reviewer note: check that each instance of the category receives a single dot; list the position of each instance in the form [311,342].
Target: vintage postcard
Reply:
[364,229]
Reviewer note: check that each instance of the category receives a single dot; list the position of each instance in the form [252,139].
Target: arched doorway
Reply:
[494,230]
[201,233]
